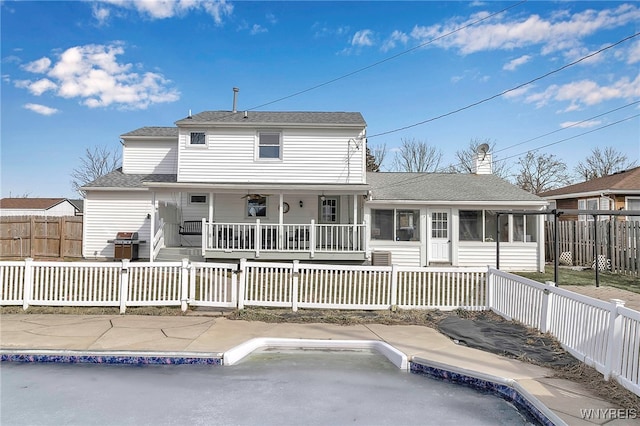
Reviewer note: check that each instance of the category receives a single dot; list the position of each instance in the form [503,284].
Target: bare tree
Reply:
[541,173]
[375,157]
[417,156]
[465,157]
[603,163]
[95,163]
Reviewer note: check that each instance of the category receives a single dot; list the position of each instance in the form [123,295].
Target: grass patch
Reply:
[94,310]
[586,277]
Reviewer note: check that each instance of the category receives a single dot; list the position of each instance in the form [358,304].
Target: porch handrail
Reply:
[158,240]
[301,237]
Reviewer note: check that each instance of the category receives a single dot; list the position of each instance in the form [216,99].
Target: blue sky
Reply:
[76,75]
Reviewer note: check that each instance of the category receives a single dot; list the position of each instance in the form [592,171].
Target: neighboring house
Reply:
[293,185]
[37,207]
[79,205]
[618,191]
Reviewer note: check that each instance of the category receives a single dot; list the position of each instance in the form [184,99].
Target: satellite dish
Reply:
[482,149]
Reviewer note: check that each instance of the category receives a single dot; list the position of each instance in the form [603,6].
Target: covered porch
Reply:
[275,222]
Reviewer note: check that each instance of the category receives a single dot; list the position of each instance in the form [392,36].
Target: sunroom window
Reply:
[395,225]
[480,225]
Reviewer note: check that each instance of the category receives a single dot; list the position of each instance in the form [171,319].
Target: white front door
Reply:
[439,238]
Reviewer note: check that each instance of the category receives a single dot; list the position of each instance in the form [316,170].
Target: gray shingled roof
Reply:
[271,117]
[444,187]
[384,186]
[117,179]
[154,131]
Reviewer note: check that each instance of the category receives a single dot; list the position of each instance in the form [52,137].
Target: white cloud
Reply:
[100,13]
[515,63]
[586,93]
[634,53]
[394,38]
[40,66]
[257,29]
[560,32]
[163,9]
[43,85]
[362,38]
[581,124]
[93,74]
[41,109]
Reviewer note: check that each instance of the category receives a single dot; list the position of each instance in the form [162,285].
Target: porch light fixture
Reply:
[322,197]
[301,204]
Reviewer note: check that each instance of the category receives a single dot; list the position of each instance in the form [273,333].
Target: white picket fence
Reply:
[605,335]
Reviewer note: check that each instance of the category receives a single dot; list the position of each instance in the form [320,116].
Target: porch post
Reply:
[354,233]
[312,239]
[152,231]
[280,221]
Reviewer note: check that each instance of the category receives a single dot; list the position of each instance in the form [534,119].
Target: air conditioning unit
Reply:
[381,258]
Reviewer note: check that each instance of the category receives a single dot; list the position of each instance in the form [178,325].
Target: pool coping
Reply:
[505,388]
[237,353]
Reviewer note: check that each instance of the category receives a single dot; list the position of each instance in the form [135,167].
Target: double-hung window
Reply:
[269,146]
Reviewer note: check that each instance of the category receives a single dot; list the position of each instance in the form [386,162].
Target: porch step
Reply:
[176,254]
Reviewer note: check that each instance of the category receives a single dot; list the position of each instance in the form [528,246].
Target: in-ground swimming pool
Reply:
[269,387]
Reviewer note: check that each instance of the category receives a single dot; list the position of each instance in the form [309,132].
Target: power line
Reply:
[586,120]
[597,52]
[422,175]
[572,137]
[359,70]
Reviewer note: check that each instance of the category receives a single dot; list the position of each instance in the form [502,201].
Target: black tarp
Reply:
[505,338]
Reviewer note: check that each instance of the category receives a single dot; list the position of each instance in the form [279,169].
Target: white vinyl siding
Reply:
[513,256]
[157,157]
[107,213]
[404,254]
[308,156]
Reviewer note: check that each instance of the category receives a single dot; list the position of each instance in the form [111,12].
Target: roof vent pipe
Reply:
[235,98]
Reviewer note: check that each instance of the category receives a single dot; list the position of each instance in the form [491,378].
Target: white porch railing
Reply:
[259,236]
[602,334]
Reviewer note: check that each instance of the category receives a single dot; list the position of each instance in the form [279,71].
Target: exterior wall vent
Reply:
[381,258]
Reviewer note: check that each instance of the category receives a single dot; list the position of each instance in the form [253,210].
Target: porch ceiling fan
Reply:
[255,196]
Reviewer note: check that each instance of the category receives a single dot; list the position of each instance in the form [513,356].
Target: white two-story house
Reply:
[293,185]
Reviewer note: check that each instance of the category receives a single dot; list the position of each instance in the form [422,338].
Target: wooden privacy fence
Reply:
[40,237]
[618,244]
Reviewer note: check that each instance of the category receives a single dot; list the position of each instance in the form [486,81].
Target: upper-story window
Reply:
[197,139]
[269,145]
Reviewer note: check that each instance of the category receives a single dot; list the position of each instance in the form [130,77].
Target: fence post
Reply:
[124,285]
[27,289]
[295,281]
[184,285]
[394,287]
[612,360]
[242,277]
[545,309]
[490,288]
